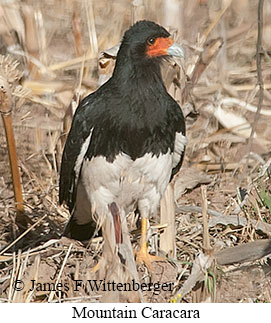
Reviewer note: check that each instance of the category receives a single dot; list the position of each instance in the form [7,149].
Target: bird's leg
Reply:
[111,239]
[143,254]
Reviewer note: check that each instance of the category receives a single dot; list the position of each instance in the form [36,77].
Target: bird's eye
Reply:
[151,40]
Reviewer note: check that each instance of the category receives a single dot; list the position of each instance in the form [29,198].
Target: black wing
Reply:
[80,131]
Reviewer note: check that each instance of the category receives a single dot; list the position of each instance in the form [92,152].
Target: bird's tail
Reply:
[81,232]
[118,257]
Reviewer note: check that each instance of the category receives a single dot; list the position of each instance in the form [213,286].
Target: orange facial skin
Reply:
[160,47]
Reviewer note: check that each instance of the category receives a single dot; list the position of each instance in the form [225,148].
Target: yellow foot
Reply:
[143,256]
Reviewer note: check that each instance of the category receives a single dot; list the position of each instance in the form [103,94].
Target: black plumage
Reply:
[131,116]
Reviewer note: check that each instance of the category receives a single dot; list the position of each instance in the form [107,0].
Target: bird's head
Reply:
[147,40]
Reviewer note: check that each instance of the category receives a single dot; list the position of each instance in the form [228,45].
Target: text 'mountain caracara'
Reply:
[126,142]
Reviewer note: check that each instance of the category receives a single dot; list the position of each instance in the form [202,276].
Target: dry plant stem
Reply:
[51,296]
[259,53]
[16,178]
[206,34]
[30,295]
[5,110]
[77,33]
[31,41]
[211,49]
[215,21]
[206,238]
[91,26]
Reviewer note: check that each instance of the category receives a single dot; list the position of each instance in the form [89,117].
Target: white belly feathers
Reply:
[126,182]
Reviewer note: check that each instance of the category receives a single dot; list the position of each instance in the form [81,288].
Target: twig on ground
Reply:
[206,238]
[51,296]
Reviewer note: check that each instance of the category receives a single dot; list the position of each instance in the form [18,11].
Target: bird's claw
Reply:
[143,256]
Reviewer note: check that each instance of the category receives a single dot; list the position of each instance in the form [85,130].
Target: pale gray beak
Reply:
[176,50]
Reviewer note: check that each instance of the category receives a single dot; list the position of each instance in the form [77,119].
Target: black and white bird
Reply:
[126,142]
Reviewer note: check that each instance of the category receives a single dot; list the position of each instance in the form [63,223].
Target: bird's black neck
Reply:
[138,74]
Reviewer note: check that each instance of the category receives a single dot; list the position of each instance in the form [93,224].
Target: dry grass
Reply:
[57,45]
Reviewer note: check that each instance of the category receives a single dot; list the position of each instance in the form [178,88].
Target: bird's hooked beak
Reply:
[165,47]
[176,50]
